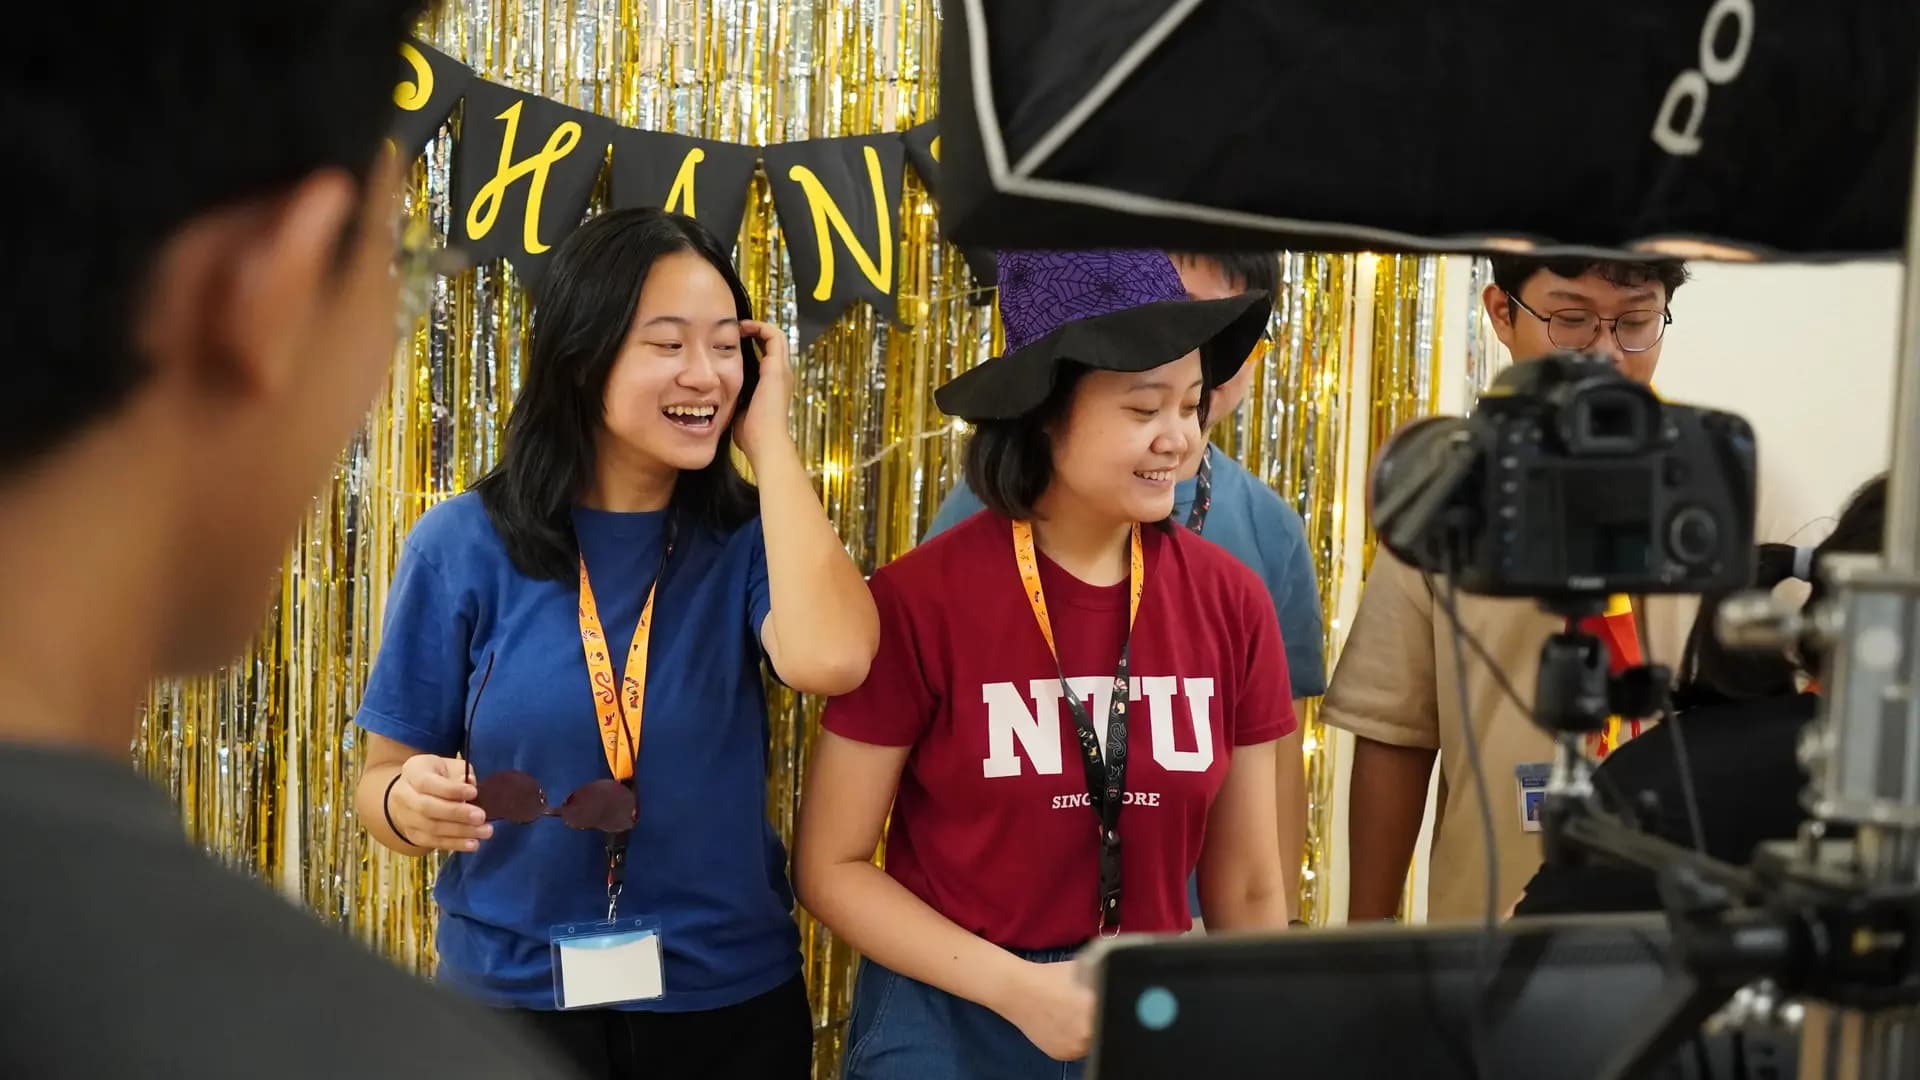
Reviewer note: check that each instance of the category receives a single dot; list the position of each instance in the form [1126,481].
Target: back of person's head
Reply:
[1859,530]
[204,285]
[186,112]
[1711,672]
[585,309]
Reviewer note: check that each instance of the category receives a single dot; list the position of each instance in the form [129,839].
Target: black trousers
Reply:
[765,1038]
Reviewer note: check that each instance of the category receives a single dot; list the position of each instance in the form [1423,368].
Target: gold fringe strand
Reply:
[1405,378]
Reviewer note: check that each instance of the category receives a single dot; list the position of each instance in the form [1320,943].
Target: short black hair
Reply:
[186,108]
[1010,462]
[1512,272]
[1249,270]
[583,310]
[1252,269]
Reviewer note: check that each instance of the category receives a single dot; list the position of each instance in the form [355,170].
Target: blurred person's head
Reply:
[200,312]
[1860,530]
[1618,310]
[1711,672]
[1216,276]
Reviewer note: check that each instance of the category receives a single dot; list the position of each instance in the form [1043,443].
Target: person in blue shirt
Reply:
[568,692]
[1253,523]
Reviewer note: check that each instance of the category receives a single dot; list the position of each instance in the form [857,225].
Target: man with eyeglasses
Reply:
[1395,686]
[1217,497]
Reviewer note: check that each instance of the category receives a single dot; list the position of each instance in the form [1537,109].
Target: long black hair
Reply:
[1710,672]
[583,312]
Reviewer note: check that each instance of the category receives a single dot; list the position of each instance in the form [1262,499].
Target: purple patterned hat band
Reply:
[1042,290]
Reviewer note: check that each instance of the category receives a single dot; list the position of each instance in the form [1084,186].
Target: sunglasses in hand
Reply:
[607,806]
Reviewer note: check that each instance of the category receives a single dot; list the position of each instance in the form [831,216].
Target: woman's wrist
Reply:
[386,808]
[1005,981]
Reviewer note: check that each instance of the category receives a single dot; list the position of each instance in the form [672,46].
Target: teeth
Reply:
[700,412]
[1156,475]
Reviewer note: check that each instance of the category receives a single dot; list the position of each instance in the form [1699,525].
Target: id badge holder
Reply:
[607,963]
[1532,780]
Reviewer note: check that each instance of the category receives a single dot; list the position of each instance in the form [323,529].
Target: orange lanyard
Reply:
[1023,554]
[1617,629]
[619,712]
[1106,773]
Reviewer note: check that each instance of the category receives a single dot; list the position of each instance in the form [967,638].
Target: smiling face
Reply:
[675,385]
[1117,451]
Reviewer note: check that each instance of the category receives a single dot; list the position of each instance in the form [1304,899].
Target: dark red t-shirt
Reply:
[991,825]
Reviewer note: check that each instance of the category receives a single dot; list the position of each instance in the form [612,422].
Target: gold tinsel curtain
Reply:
[262,757]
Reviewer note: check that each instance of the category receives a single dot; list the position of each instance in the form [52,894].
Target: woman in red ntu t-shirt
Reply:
[1073,704]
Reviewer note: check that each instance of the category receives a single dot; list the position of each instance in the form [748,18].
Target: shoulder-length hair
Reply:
[583,312]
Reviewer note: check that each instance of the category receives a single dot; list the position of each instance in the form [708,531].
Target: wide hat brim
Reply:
[1133,339]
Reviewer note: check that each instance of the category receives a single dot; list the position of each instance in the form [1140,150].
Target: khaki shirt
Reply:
[1395,683]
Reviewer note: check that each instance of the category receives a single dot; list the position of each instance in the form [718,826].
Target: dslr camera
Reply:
[1570,480]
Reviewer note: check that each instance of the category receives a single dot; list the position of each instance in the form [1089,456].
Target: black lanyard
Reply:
[1202,494]
[1106,774]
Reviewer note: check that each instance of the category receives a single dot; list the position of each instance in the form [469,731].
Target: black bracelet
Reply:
[386,807]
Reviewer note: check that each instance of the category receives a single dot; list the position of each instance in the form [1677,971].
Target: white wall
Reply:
[1807,355]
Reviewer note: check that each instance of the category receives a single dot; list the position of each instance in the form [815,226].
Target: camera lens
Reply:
[1693,536]
[1419,478]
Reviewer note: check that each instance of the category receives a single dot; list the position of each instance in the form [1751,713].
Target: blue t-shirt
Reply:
[703,859]
[1257,527]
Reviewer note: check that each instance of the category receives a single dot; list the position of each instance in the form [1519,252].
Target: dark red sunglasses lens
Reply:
[511,796]
[604,805]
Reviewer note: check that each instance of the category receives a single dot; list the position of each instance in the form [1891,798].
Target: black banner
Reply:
[523,171]
[705,179]
[525,168]
[923,153]
[839,206]
[429,85]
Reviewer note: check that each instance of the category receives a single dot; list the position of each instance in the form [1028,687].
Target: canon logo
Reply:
[1690,86]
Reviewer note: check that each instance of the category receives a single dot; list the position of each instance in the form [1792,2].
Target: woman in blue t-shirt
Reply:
[568,694]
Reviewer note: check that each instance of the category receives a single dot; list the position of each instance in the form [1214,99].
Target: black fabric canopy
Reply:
[1736,128]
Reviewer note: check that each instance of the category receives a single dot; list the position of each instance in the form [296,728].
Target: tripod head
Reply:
[1578,689]
[1576,693]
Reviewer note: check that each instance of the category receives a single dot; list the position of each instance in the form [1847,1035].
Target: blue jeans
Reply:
[903,1029]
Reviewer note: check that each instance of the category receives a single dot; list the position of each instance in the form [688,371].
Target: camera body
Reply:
[1570,480]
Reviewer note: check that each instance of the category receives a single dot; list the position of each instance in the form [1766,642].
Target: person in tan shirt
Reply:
[1396,686]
